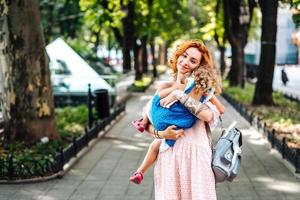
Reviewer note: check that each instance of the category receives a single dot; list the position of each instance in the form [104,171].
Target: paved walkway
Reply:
[103,172]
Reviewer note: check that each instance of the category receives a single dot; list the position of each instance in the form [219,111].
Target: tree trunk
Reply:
[126,58]
[237,66]
[28,108]
[263,89]
[97,42]
[144,54]
[137,52]
[237,19]
[154,61]
[109,47]
[128,36]
[222,60]
[166,46]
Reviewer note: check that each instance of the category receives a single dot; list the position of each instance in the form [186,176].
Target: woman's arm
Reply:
[200,110]
[168,133]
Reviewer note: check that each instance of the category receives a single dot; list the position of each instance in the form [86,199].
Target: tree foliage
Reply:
[60,18]
[295,5]
[109,23]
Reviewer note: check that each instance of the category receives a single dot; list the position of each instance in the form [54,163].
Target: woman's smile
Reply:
[183,69]
[189,60]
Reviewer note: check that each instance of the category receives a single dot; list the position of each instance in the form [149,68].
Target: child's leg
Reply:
[150,156]
[149,159]
[145,120]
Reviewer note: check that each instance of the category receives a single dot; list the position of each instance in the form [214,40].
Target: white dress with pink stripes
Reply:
[184,171]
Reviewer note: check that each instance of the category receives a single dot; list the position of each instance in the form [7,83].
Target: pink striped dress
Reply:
[184,172]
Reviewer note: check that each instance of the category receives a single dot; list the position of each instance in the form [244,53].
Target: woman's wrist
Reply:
[157,134]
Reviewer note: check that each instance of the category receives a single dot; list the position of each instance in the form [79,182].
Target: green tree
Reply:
[60,18]
[137,24]
[27,101]
[113,18]
[295,5]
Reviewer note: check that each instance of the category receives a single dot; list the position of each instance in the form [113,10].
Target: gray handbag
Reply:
[226,160]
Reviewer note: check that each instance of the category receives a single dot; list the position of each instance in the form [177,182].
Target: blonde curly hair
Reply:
[206,78]
[205,75]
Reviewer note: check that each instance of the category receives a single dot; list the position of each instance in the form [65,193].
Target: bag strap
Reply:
[208,131]
[221,123]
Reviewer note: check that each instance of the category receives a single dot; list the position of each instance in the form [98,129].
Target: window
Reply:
[62,68]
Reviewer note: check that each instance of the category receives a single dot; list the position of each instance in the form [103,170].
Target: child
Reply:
[175,114]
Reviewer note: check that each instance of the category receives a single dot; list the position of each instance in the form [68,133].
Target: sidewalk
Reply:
[103,172]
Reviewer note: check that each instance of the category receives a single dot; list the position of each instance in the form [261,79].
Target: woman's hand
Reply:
[171,133]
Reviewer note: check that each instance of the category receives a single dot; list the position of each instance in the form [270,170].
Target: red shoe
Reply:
[139,125]
[136,178]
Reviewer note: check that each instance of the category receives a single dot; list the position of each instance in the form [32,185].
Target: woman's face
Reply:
[188,61]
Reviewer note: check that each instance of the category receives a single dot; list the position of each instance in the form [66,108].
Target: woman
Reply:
[176,115]
[184,171]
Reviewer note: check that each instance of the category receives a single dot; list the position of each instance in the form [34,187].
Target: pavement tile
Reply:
[4,197]
[58,193]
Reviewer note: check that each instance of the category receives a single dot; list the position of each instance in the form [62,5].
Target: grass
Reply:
[161,68]
[141,85]
[71,120]
[283,116]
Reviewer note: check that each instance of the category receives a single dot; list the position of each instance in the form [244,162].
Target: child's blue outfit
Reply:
[176,114]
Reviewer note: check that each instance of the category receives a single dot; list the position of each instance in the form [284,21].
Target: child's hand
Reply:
[179,86]
[214,100]
[168,100]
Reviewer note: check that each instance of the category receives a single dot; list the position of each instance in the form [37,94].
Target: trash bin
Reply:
[102,103]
